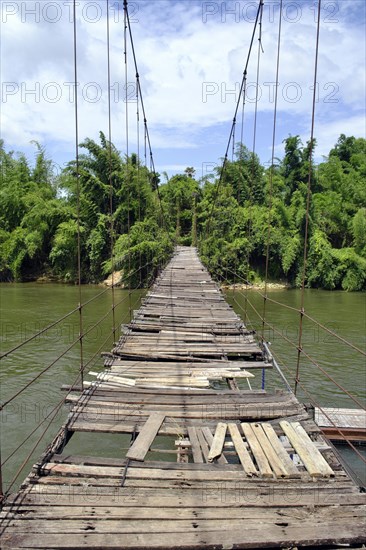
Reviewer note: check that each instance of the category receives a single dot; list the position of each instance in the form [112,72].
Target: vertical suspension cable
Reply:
[260,49]
[302,311]
[138,163]
[81,367]
[271,170]
[128,187]
[223,166]
[233,144]
[243,108]
[240,160]
[111,191]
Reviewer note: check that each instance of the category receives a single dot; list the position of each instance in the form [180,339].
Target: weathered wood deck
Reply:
[242,468]
[339,424]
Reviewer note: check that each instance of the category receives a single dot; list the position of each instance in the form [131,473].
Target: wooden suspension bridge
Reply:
[241,468]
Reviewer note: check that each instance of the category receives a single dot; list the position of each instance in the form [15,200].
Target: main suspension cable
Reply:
[111,190]
[254,176]
[78,191]
[272,166]
[308,201]
[208,225]
[146,129]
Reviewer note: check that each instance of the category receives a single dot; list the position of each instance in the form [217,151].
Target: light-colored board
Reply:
[306,450]
[141,445]
[280,450]
[218,441]
[209,438]
[203,443]
[257,451]
[259,535]
[242,451]
[196,448]
[274,460]
[317,457]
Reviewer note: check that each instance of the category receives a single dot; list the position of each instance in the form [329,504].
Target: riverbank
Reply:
[114,279]
[257,286]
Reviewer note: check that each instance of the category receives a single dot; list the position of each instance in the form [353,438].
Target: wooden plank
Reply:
[242,451]
[292,495]
[257,451]
[147,434]
[274,460]
[203,443]
[179,336]
[114,511]
[218,442]
[209,438]
[247,535]
[196,448]
[280,450]
[317,457]
[304,449]
[160,525]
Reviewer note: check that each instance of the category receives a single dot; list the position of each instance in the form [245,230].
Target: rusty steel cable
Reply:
[223,166]
[78,190]
[147,140]
[111,190]
[321,409]
[50,365]
[55,411]
[306,237]
[63,400]
[241,164]
[250,188]
[311,359]
[128,175]
[272,165]
[297,310]
[51,325]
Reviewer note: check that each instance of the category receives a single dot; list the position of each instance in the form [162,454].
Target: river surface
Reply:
[27,308]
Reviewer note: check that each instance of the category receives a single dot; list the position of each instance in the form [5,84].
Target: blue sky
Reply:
[191,57]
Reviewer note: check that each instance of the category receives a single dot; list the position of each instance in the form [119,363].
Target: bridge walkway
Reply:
[209,464]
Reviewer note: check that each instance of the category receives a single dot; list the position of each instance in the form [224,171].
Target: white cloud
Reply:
[328,132]
[188,70]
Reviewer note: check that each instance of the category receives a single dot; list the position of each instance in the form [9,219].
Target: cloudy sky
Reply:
[191,57]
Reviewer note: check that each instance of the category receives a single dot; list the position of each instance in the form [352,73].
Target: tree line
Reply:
[124,216]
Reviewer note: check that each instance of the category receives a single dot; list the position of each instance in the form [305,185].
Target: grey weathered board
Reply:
[273,480]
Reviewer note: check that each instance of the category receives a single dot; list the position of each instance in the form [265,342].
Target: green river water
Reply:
[26,308]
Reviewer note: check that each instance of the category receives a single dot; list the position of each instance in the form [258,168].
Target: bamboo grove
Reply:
[143,215]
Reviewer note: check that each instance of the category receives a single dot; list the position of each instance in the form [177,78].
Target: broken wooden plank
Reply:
[306,449]
[274,460]
[209,438]
[147,434]
[280,450]
[218,442]
[256,449]
[242,451]
[196,448]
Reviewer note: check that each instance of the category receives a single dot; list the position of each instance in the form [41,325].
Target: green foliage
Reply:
[336,221]
[178,197]
[359,231]
[141,253]
[351,268]
[64,250]
[118,200]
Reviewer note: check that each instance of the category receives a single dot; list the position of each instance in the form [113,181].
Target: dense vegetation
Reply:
[39,221]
